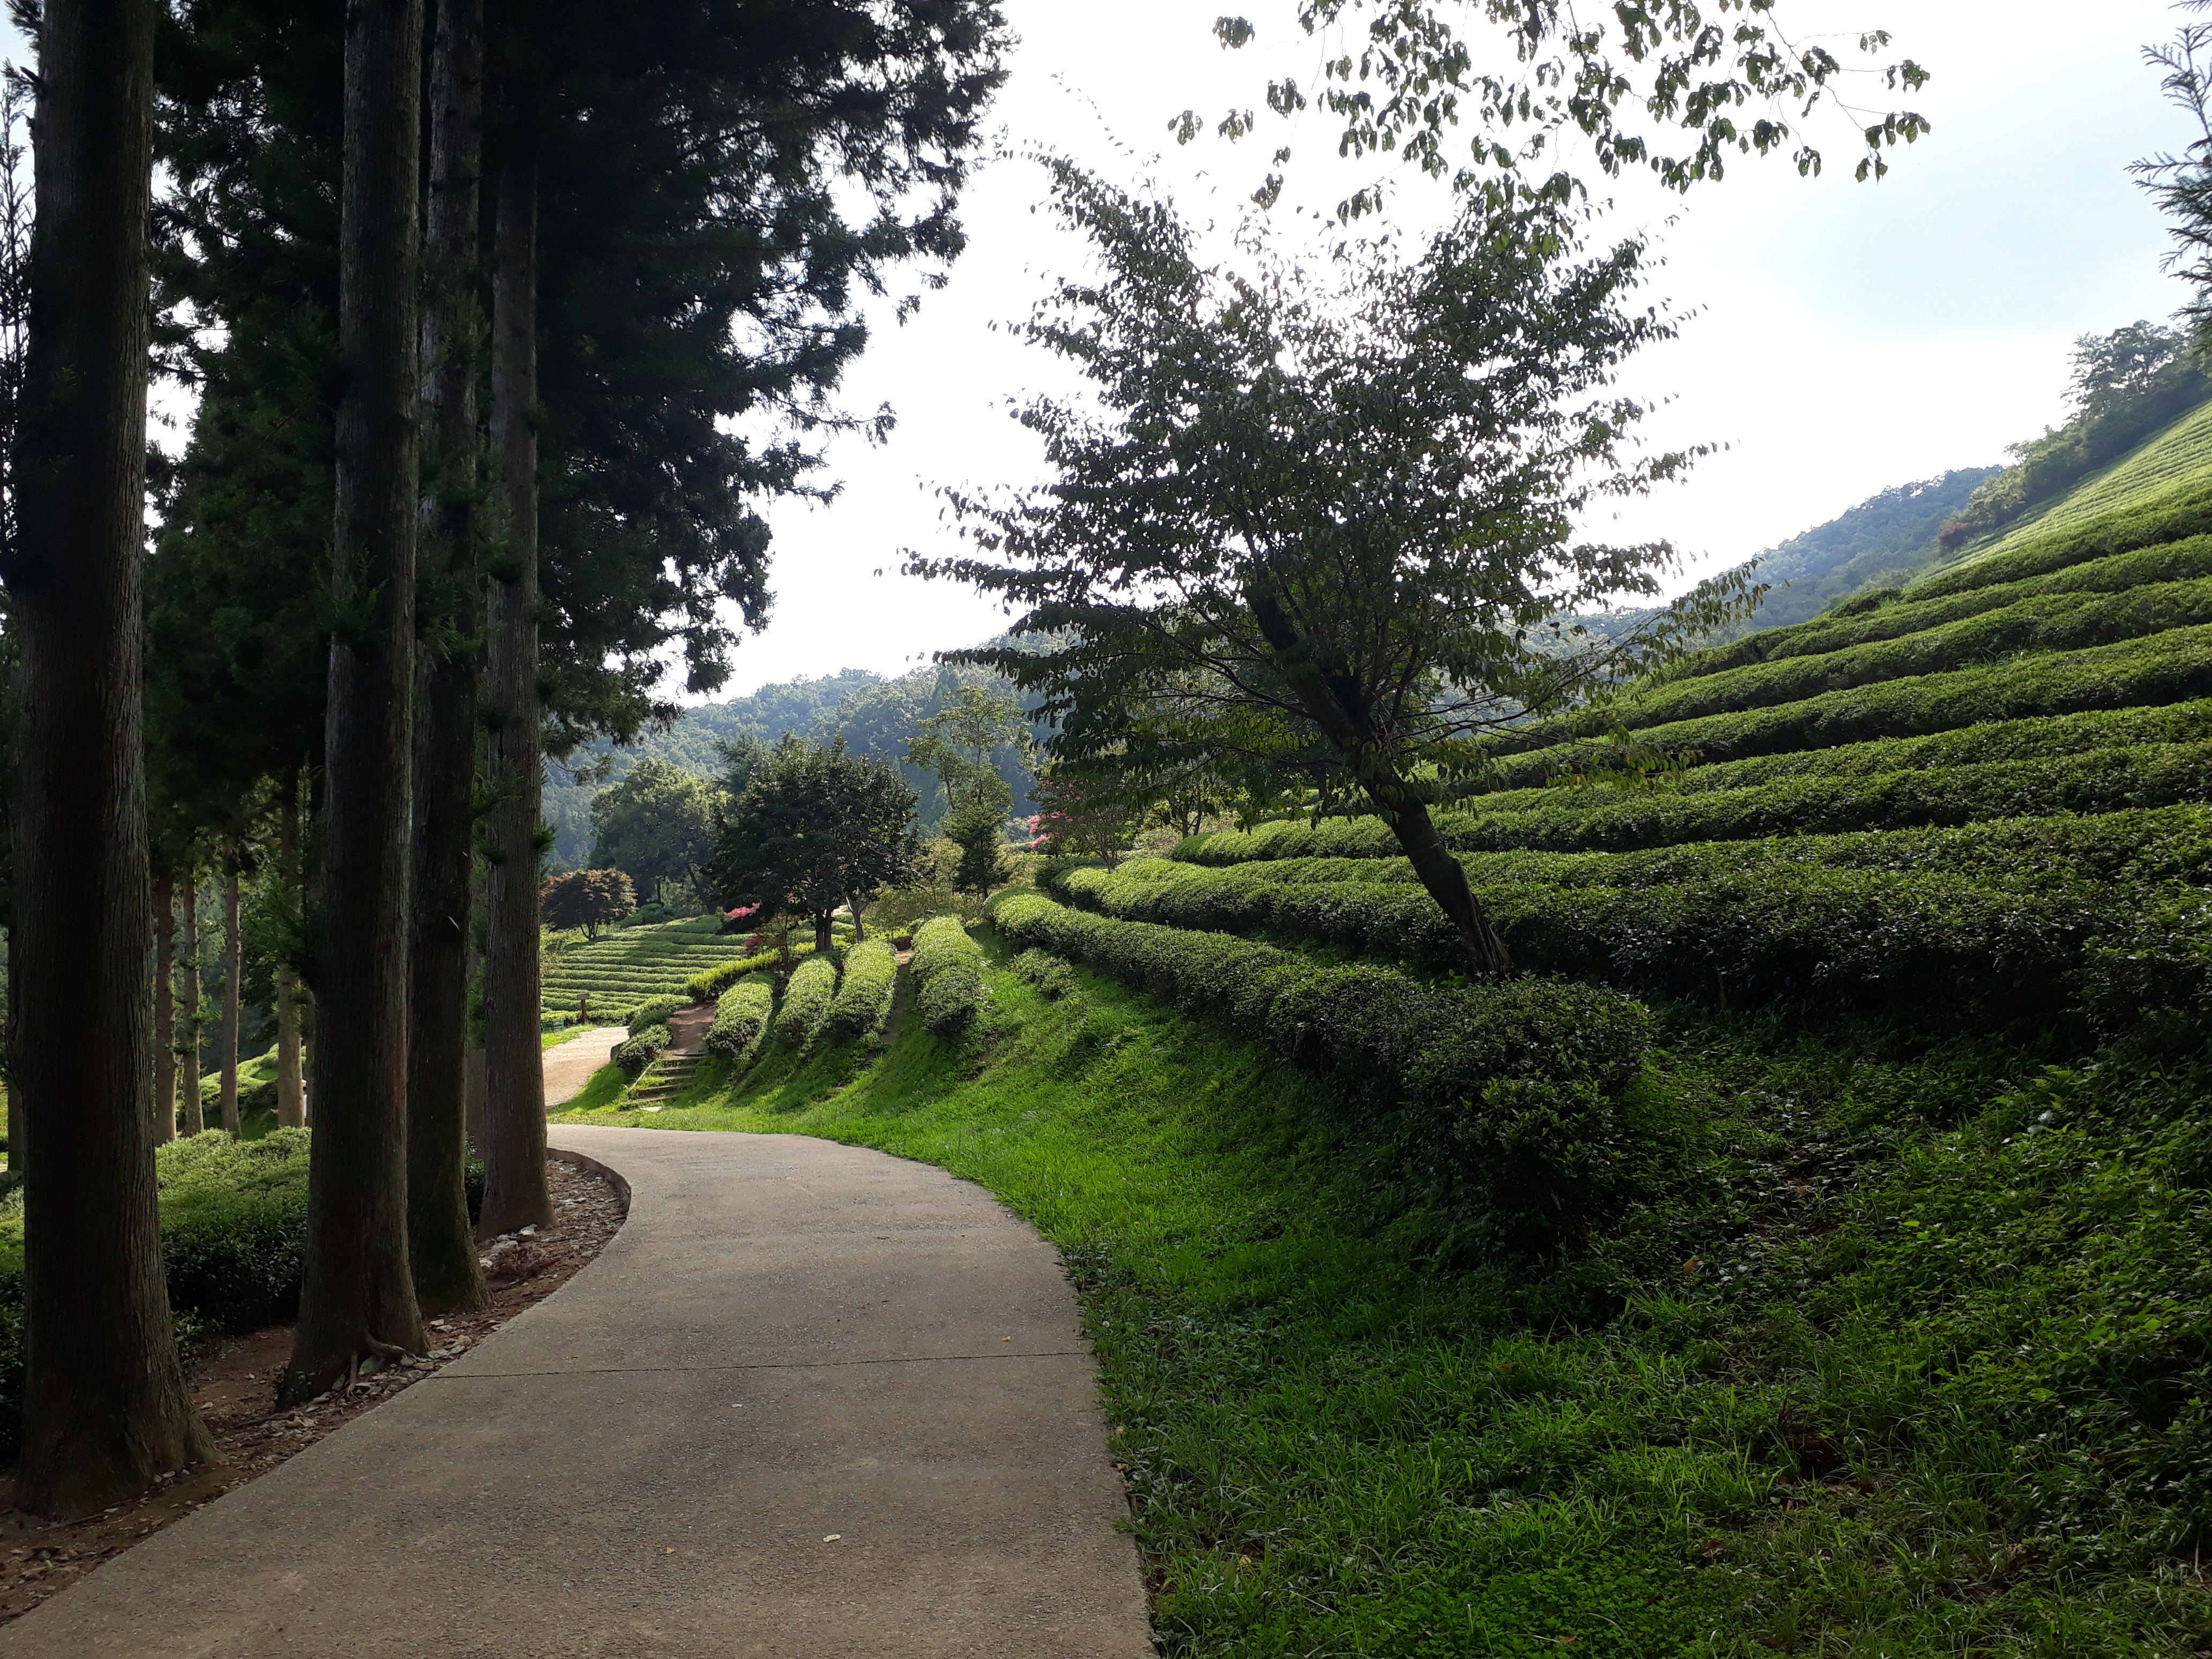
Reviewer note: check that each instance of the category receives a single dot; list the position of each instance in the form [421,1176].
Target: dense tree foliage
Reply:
[1324,532]
[589,899]
[657,825]
[816,829]
[2126,385]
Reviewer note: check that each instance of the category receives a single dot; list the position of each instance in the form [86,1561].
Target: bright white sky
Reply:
[1850,337]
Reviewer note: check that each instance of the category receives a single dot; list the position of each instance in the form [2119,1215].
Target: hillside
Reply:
[1884,541]
[1815,1245]
[875,715]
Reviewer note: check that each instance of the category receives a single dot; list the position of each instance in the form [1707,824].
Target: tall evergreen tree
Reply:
[357,1297]
[441,1248]
[104,1403]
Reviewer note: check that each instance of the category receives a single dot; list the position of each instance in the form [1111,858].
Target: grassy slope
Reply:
[1825,1388]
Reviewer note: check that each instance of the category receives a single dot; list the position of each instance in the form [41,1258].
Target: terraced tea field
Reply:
[627,966]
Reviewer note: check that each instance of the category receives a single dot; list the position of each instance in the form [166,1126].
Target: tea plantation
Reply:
[627,967]
[1812,1252]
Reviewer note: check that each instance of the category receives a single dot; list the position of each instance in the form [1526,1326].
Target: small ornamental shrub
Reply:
[634,1055]
[655,1013]
[806,1001]
[1047,972]
[948,974]
[741,1018]
[1513,1093]
[863,1001]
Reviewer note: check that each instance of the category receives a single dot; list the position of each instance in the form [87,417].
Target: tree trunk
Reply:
[1350,730]
[514,1158]
[357,1296]
[191,1118]
[106,1408]
[440,1248]
[291,1099]
[1445,879]
[165,1009]
[227,1039]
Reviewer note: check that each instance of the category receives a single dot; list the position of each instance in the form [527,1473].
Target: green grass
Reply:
[1899,1367]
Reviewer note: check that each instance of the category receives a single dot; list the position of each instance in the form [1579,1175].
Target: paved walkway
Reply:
[812,1402]
[569,1066]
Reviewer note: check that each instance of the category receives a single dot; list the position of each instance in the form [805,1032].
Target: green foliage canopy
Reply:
[657,824]
[817,827]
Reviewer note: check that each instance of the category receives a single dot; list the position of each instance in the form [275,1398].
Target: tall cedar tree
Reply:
[104,1403]
[357,1297]
[699,275]
[816,829]
[442,1248]
[515,1194]
[1328,529]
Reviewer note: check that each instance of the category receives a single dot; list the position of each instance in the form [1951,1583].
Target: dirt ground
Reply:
[235,1388]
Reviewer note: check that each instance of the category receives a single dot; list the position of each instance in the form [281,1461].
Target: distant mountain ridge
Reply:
[875,714]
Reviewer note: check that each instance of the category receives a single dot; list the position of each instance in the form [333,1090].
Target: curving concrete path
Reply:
[812,1402]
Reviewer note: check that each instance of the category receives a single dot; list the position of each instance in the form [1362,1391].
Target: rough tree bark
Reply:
[191,1118]
[291,1097]
[357,1296]
[514,1156]
[104,1403]
[233,958]
[165,1008]
[441,1246]
[1335,708]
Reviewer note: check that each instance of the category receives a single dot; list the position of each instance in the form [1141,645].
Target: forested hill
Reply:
[1881,542]
[875,715]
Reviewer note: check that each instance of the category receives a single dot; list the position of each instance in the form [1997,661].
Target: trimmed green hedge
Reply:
[2167,668]
[2176,562]
[2053,622]
[1934,940]
[863,1001]
[708,985]
[948,974]
[806,1001]
[741,1018]
[2145,848]
[634,1055]
[1514,1092]
[2169,518]
[2104,780]
[655,1013]
[1051,975]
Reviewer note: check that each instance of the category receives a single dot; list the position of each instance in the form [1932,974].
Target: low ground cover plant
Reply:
[948,974]
[863,1001]
[234,1241]
[806,1001]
